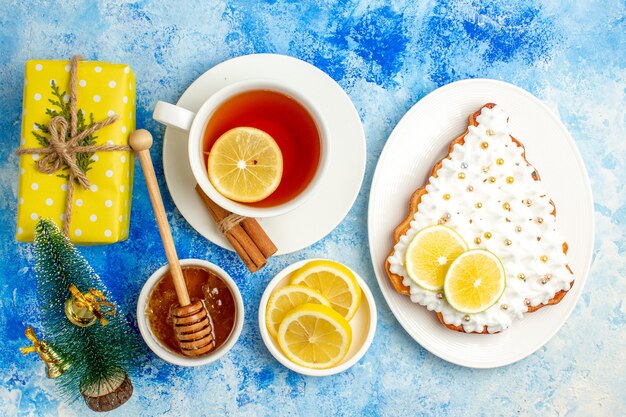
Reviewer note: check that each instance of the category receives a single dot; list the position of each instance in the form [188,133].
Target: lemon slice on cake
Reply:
[334,281]
[475,281]
[245,164]
[430,253]
[314,336]
[285,299]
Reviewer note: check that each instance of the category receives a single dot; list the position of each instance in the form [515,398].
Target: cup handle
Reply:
[174,116]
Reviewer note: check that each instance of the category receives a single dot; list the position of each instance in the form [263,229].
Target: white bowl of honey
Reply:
[205,281]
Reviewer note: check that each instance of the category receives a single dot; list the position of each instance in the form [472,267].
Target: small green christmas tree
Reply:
[72,298]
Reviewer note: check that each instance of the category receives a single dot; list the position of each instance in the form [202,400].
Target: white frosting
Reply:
[488,153]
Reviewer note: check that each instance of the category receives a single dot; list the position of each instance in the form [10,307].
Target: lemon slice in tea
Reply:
[245,164]
[475,281]
[430,253]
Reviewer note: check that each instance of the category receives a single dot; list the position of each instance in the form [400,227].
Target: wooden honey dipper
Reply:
[192,324]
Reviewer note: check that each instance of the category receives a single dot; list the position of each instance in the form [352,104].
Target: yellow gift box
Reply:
[100,214]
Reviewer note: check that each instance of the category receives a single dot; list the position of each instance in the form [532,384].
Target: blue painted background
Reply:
[386,55]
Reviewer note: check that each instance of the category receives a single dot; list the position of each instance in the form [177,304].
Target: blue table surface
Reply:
[386,57]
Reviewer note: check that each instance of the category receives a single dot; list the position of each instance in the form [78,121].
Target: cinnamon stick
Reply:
[250,241]
[242,254]
[259,237]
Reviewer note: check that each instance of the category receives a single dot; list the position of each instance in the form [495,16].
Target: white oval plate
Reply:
[419,140]
[341,183]
[363,326]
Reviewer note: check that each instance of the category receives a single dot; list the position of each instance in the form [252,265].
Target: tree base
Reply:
[109,397]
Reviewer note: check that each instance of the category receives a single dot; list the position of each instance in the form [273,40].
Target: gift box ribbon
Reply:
[62,149]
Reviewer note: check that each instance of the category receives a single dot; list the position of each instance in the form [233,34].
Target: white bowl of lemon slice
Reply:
[317,317]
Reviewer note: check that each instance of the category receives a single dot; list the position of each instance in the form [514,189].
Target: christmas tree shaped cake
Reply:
[480,246]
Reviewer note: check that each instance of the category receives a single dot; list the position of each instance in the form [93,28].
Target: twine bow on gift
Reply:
[63,149]
[95,301]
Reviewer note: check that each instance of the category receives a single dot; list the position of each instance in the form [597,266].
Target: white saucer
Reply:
[419,140]
[340,186]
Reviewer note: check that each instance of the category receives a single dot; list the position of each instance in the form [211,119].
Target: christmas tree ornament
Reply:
[99,355]
[84,309]
[55,364]
[192,324]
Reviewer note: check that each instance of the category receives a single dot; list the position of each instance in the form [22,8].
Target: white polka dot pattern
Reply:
[104,90]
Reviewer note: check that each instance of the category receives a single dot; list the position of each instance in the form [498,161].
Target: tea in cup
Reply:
[273,107]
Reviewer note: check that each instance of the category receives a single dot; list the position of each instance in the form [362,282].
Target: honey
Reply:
[202,284]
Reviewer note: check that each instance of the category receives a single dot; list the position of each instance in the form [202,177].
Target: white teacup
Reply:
[168,354]
[196,123]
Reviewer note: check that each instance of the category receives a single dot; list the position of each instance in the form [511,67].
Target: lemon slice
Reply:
[314,336]
[430,253]
[245,164]
[285,299]
[334,281]
[475,281]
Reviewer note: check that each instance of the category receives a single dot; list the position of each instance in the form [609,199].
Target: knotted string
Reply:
[229,222]
[62,149]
